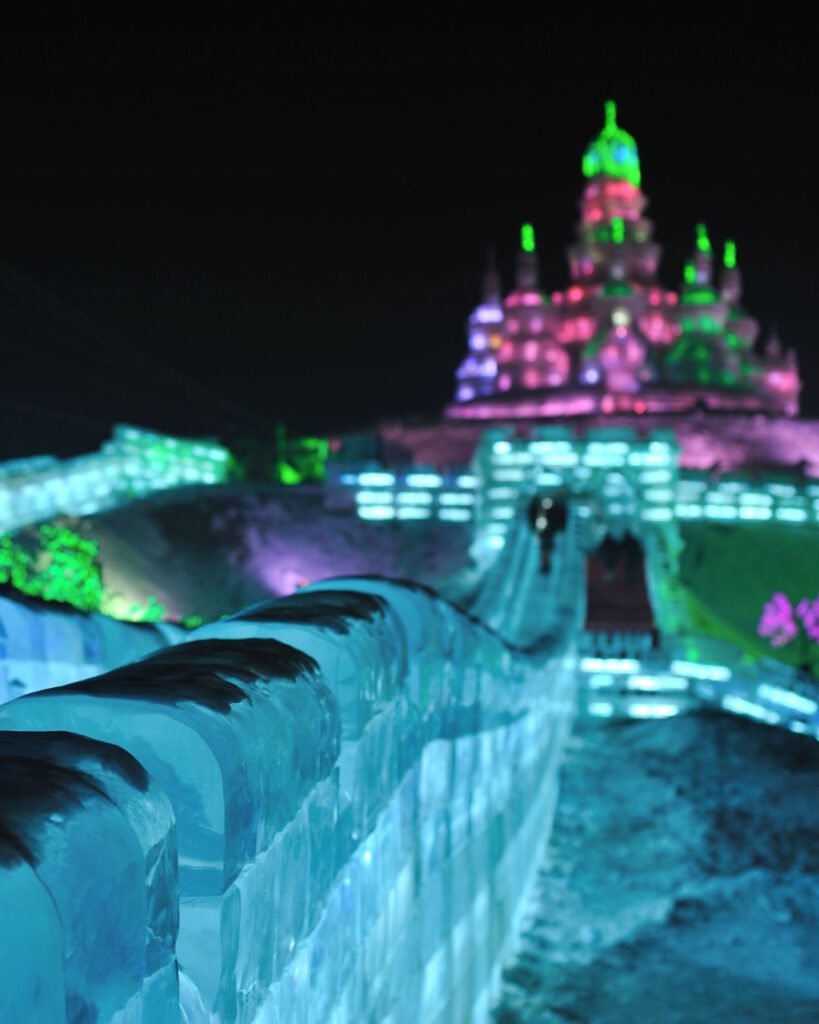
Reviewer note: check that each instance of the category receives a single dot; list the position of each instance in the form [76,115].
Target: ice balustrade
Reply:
[778,499]
[132,464]
[41,648]
[362,780]
[404,494]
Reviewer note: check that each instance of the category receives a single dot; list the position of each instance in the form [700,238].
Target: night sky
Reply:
[214,234]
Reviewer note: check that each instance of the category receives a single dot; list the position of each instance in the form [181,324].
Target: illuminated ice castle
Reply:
[617,340]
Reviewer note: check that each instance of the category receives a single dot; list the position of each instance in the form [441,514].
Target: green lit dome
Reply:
[615,288]
[613,152]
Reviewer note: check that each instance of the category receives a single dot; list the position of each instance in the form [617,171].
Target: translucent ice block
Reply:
[90,839]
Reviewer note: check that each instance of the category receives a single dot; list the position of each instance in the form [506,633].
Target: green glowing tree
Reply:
[53,563]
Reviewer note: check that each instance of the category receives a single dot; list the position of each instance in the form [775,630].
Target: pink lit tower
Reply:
[616,340]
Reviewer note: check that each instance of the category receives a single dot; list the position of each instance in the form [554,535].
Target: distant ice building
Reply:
[616,340]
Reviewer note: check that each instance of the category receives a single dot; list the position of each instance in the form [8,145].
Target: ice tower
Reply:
[616,340]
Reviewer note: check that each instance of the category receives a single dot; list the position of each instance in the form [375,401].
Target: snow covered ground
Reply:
[682,882]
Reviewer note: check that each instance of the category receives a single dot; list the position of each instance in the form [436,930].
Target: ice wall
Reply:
[87,885]
[362,780]
[41,648]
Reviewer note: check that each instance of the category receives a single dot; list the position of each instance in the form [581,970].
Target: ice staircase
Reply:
[629,668]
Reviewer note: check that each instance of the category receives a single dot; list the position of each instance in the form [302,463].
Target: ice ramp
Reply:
[362,780]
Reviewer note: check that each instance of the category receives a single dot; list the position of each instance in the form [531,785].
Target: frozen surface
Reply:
[682,881]
[362,780]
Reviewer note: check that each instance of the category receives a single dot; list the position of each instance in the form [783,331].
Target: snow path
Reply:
[682,881]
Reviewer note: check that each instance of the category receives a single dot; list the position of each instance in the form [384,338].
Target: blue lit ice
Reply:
[361,779]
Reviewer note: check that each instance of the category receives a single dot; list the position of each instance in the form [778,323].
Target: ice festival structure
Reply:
[330,807]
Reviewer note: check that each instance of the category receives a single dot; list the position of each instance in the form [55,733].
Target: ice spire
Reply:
[528,272]
[731,277]
[703,257]
[491,278]
[773,344]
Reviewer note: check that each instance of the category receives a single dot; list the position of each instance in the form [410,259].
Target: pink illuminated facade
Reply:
[616,340]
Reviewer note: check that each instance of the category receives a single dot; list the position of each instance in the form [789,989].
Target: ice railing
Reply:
[362,781]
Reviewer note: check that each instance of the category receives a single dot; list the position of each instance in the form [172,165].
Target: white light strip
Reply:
[694,670]
[788,699]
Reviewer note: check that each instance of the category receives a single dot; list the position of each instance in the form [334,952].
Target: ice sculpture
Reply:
[362,780]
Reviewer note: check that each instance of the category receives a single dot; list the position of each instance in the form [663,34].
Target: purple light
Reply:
[488,314]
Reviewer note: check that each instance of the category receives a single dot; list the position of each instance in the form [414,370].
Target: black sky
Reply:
[208,234]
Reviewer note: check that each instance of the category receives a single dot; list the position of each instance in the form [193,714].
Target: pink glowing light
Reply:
[639,408]
[504,382]
[607,405]
[655,328]
[634,352]
[558,364]
[557,298]
[782,381]
[575,293]
[777,623]
[536,324]
[531,299]
[808,611]
[531,379]
[530,351]
[609,354]
[507,351]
